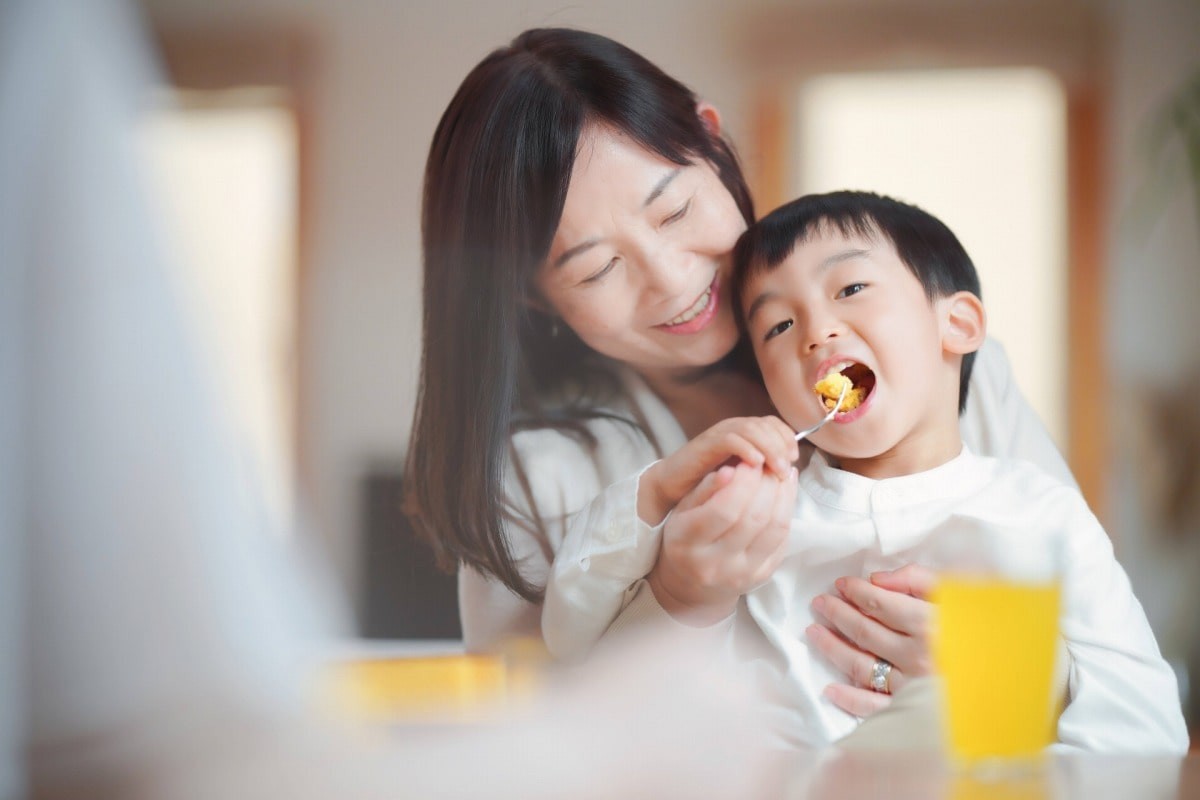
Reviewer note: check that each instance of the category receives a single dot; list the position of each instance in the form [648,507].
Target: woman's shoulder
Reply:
[999,420]
[603,435]
[616,416]
[571,458]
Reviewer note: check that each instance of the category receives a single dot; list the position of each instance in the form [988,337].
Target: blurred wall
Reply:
[1153,334]
[384,72]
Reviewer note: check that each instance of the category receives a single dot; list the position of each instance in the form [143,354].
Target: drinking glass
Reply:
[998,600]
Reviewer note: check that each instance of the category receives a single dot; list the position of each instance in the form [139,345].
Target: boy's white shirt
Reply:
[1122,695]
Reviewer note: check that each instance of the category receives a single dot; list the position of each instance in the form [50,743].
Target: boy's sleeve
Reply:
[1122,696]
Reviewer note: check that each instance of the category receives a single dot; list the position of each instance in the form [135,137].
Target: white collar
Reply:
[962,475]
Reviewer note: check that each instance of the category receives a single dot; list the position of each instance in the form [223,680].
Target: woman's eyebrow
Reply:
[571,252]
[661,186]
[655,193]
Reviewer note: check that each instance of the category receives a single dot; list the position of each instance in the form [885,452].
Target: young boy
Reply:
[883,293]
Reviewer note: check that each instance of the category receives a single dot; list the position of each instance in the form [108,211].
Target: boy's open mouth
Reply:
[861,382]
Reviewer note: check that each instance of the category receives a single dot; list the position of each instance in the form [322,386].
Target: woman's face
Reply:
[639,262]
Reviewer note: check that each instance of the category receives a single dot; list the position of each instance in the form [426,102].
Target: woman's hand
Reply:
[765,442]
[725,538]
[887,617]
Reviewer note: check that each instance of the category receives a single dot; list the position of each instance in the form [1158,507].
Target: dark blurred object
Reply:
[1177,420]
[1172,148]
[405,595]
[1167,444]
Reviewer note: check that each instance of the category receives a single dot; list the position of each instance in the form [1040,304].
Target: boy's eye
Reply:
[678,214]
[777,329]
[595,276]
[853,288]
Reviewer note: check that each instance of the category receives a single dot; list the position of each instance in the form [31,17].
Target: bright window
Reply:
[225,165]
[984,150]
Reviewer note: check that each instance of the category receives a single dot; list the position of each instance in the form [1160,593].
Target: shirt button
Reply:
[613,534]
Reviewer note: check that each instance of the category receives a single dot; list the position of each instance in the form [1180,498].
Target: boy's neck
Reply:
[918,452]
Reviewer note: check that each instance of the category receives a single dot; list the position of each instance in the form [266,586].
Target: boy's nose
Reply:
[820,333]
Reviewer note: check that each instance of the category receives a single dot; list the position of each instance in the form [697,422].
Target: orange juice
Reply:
[995,646]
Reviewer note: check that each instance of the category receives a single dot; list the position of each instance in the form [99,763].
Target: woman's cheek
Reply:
[596,321]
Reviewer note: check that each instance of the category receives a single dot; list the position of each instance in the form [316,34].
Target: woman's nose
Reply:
[665,272]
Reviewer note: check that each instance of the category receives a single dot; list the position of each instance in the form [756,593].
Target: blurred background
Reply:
[1060,139]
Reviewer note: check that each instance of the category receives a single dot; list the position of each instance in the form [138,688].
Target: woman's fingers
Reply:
[860,630]
[723,510]
[899,611]
[756,515]
[911,579]
[857,664]
[856,701]
[759,441]
[710,485]
[884,618]
[769,544]
[907,653]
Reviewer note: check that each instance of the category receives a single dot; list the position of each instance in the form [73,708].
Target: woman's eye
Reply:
[595,276]
[777,329]
[678,214]
[853,288]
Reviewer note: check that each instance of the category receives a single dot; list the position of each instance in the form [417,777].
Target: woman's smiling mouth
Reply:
[697,316]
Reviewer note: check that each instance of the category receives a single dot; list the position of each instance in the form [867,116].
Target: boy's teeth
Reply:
[700,304]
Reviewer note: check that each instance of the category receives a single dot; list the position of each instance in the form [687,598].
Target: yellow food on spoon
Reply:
[830,387]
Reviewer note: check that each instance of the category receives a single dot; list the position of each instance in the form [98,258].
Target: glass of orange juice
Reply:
[998,599]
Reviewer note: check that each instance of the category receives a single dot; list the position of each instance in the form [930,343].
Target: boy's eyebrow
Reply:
[845,255]
[762,299]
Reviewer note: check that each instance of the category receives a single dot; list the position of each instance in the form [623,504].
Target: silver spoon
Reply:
[804,434]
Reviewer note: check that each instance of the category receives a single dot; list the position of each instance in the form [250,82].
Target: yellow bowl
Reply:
[450,687]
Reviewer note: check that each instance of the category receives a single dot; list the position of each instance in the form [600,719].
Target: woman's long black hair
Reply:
[495,184]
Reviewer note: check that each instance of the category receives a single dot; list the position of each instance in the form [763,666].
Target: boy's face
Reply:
[838,303]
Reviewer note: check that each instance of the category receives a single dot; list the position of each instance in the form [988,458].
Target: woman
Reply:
[579,211]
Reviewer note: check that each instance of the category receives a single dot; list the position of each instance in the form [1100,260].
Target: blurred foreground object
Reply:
[863,775]
[398,683]
[156,643]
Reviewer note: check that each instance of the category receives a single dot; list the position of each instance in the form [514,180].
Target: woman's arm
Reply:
[1000,423]
[722,541]
[491,613]
[1122,696]
[557,483]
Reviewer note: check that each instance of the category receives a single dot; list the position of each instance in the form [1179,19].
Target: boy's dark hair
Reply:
[926,246]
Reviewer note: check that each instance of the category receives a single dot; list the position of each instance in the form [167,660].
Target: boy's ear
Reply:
[965,323]
[709,116]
